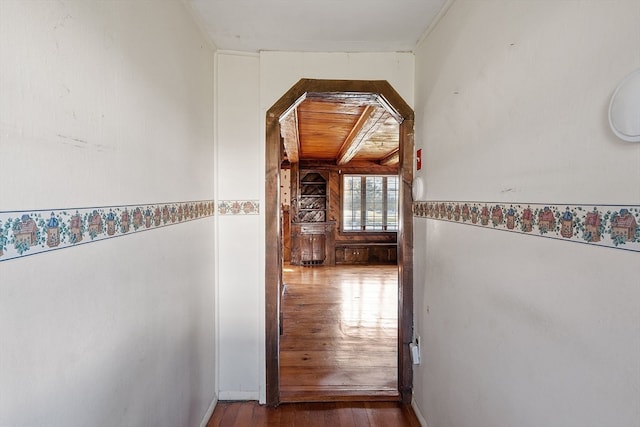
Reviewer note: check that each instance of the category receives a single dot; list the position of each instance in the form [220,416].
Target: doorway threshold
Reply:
[316,394]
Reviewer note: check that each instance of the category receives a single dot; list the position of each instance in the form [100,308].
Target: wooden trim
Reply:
[273,261]
[399,108]
[273,257]
[405,263]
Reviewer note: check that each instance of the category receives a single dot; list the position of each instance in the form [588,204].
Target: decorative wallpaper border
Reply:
[614,226]
[24,233]
[239,207]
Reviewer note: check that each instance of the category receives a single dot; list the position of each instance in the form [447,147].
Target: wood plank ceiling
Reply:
[338,128]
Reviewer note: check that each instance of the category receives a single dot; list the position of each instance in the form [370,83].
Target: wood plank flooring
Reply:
[328,414]
[340,334]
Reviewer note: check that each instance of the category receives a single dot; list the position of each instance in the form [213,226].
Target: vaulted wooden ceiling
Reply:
[339,128]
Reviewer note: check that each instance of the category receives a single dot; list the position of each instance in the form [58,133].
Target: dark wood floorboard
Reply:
[340,329]
[328,414]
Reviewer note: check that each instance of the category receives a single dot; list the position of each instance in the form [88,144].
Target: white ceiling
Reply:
[317,25]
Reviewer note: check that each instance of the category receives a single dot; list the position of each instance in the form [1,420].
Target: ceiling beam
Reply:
[364,127]
[387,106]
[293,107]
[354,166]
[392,158]
[351,98]
[291,136]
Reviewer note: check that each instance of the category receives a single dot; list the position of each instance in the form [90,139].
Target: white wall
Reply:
[107,103]
[511,106]
[247,86]
[240,176]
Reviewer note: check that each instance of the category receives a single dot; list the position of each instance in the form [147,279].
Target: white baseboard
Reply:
[238,395]
[207,415]
[423,422]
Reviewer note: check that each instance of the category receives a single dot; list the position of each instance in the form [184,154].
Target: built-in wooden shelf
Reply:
[312,201]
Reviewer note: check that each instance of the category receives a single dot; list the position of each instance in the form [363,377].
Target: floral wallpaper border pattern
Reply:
[24,233]
[238,207]
[615,226]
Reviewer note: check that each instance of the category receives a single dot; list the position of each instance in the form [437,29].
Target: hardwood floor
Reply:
[339,337]
[329,414]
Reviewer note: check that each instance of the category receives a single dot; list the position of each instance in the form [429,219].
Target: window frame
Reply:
[363,176]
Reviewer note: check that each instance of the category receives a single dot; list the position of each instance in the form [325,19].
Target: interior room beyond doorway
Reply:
[347,146]
[340,203]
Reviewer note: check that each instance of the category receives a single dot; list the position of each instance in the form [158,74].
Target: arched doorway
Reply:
[273,251]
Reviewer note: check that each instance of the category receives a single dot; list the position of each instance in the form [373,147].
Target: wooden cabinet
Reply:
[312,243]
[354,255]
[383,254]
[312,249]
[366,253]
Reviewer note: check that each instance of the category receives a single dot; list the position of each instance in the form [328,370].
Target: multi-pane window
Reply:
[370,203]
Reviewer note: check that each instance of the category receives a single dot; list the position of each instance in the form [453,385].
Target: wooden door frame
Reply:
[273,246]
